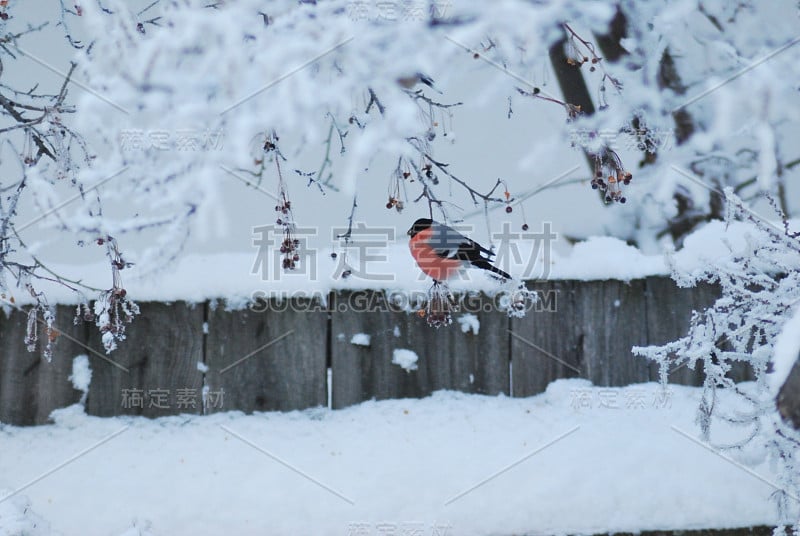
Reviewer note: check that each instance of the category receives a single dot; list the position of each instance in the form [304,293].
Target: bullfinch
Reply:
[408,82]
[441,251]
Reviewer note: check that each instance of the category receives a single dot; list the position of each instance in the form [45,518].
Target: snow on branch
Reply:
[42,154]
[760,289]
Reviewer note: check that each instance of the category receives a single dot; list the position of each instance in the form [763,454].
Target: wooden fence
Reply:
[202,358]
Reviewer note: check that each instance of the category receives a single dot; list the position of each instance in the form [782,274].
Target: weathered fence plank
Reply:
[270,357]
[30,386]
[546,343]
[613,319]
[154,372]
[449,358]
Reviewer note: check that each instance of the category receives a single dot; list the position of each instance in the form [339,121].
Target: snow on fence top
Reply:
[240,277]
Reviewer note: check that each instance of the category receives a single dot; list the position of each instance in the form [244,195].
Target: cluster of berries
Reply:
[113,310]
[395,203]
[290,246]
[609,165]
[438,311]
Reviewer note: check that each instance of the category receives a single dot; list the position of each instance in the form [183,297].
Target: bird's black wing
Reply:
[449,243]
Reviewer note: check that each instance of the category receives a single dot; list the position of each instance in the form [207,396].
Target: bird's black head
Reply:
[419,226]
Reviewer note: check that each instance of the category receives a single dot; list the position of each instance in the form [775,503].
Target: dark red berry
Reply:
[509,209]
[389,205]
[524,226]
[622,200]
[333,255]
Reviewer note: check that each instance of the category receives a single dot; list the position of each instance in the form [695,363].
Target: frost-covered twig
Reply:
[760,287]
[35,128]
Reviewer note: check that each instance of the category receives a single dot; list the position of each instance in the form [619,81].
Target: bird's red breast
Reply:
[434,266]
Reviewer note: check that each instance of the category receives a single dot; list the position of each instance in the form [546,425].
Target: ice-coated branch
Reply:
[760,287]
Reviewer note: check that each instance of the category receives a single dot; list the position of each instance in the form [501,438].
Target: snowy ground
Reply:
[576,459]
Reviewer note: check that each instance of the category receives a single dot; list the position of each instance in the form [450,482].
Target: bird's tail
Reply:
[428,81]
[484,264]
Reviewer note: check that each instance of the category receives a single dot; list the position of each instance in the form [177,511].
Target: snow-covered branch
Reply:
[760,290]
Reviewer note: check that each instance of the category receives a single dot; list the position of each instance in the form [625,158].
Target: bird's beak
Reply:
[409,232]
